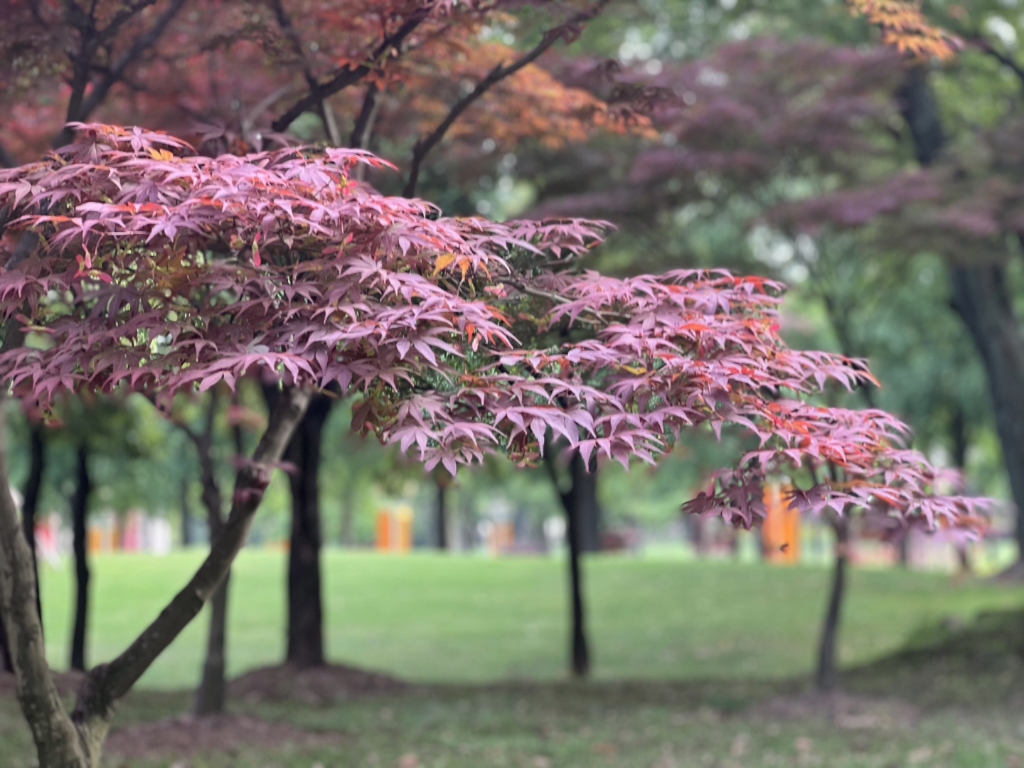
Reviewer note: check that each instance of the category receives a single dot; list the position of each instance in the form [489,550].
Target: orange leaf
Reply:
[443,261]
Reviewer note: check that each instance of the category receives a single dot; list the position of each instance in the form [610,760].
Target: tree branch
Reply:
[346,77]
[107,683]
[1007,61]
[360,138]
[284,21]
[549,464]
[141,45]
[499,73]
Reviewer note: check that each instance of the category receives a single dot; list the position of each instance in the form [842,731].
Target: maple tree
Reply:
[401,73]
[784,141]
[167,272]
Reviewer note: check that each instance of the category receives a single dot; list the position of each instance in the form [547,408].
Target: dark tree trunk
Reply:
[79,512]
[305,605]
[980,297]
[211,695]
[827,677]
[186,513]
[958,432]
[348,513]
[5,650]
[579,502]
[30,506]
[441,514]
[582,494]
[584,490]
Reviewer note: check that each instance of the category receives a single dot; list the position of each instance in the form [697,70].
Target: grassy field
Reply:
[431,618]
[697,664]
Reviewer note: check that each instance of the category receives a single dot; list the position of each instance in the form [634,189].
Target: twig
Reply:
[360,138]
[141,44]
[1007,61]
[499,73]
[285,22]
[349,76]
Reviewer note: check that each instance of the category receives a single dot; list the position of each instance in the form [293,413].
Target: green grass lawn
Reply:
[430,618]
[704,645]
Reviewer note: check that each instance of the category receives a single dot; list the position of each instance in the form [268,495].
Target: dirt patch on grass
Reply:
[315,685]
[186,736]
[846,711]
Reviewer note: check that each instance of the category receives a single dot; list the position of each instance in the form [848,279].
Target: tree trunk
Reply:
[77,741]
[30,503]
[441,513]
[581,495]
[305,604]
[827,677]
[186,513]
[79,513]
[981,299]
[5,653]
[348,514]
[211,696]
[57,740]
[584,490]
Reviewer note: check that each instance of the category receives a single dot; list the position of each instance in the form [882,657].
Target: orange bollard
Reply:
[781,530]
[383,530]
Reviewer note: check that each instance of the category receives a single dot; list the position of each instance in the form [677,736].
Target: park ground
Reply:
[696,664]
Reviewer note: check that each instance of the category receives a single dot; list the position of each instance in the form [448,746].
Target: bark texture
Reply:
[441,513]
[186,513]
[58,744]
[5,654]
[981,299]
[576,499]
[77,741]
[348,514]
[211,696]
[305,602]
[107,683]
[30,504]
[80,534]
[826,678]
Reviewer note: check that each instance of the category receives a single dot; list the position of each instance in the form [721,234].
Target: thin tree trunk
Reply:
[827,677]
[57,740]
[79,514]
[186,513]
[584,489]
[583,492]
[981,298]
[958,432]
[30,503]
[211,695]
[579,497]
[5,653]
[348,513]
[76,741]
[441,513]
[305,602]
